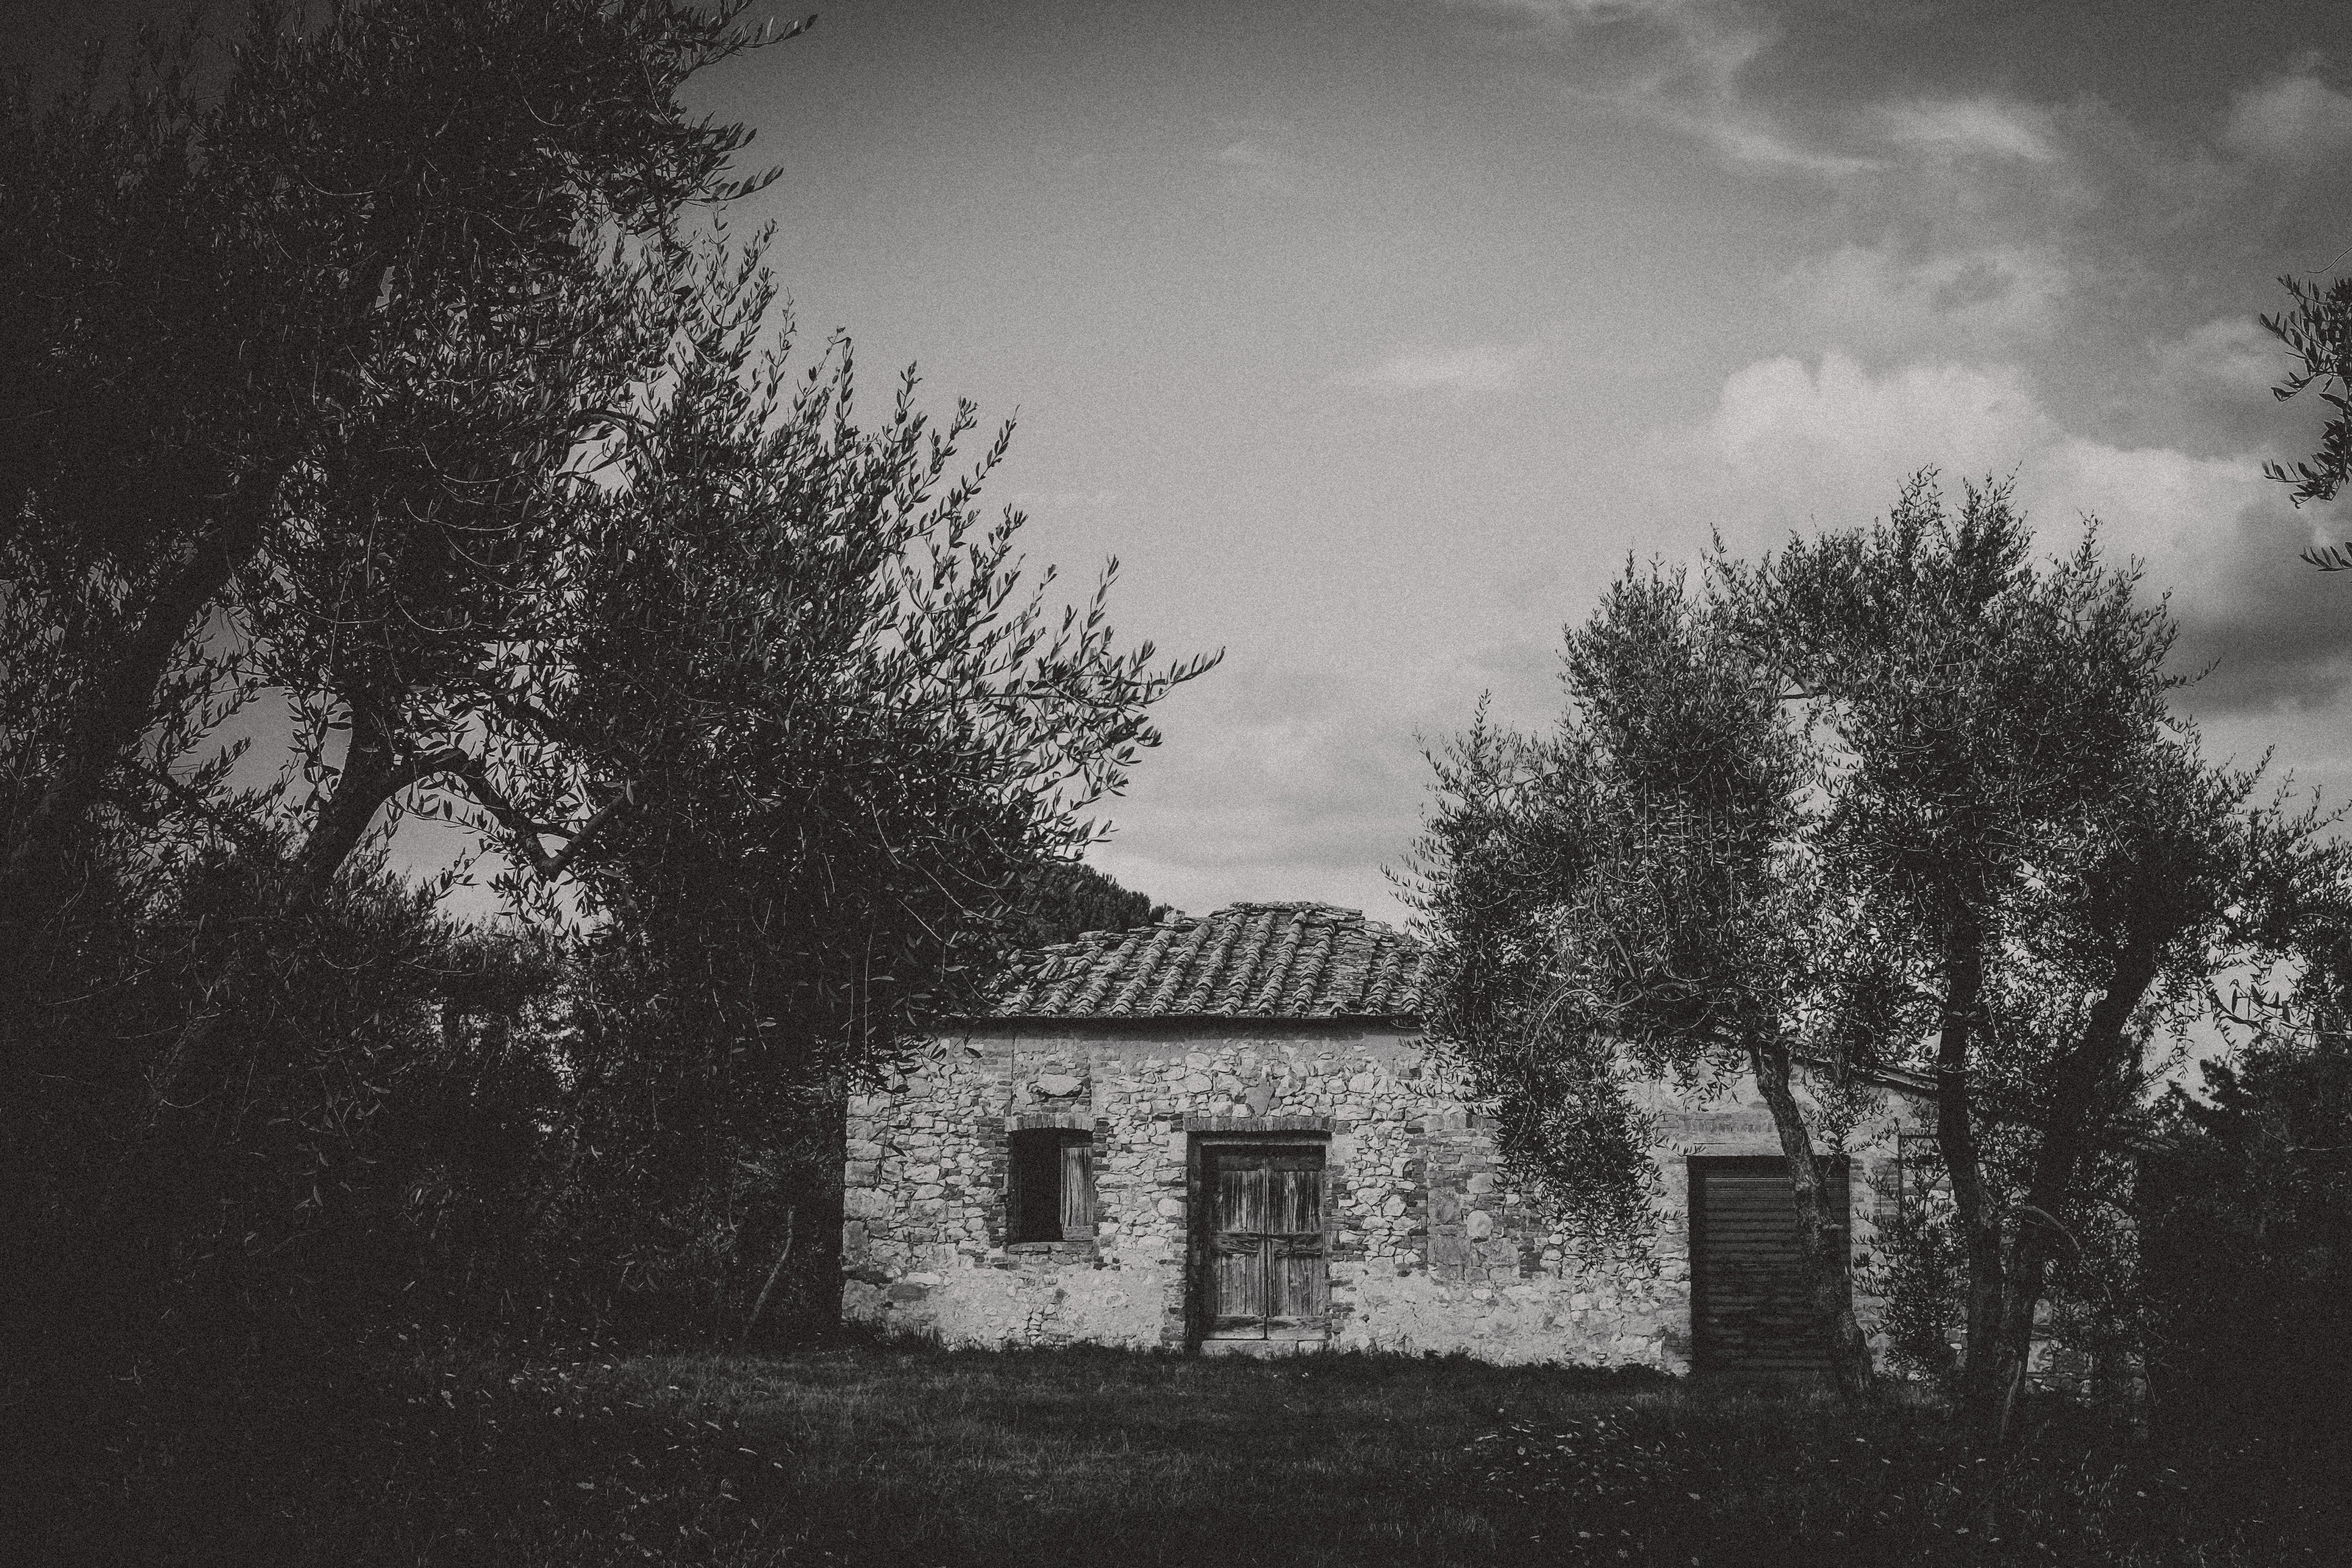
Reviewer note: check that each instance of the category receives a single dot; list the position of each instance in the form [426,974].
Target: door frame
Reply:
[1200,1281]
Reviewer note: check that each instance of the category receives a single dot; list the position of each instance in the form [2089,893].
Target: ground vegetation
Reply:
[855,1456]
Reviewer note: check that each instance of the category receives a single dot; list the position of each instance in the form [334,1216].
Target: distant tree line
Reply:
[1061,901]
[420,398]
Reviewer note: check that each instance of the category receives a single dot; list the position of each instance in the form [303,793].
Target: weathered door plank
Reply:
[1267,1255]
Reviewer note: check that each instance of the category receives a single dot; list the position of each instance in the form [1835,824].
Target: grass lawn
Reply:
[925,1458]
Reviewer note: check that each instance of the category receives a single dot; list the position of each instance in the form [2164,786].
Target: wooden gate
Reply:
[1265,1257]
[1750,1309]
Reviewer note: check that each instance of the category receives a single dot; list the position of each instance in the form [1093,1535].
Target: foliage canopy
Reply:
[1895,796]
[404,387]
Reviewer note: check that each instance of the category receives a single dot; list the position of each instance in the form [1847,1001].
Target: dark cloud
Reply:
[2176,61]
[2274,635]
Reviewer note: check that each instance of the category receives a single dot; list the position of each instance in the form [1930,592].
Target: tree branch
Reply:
[523,832]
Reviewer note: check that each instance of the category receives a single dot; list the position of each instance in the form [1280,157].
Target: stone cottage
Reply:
[1224,1135]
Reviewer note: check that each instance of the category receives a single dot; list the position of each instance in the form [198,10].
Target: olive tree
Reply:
[1639,892]
[2318,334]
[295,368]
[2018,812]
[299,365]
[793,731]
[1894,796]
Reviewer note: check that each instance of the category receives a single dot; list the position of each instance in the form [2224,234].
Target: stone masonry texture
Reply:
[1431,1248]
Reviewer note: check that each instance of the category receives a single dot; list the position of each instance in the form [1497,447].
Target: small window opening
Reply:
[1051,1194]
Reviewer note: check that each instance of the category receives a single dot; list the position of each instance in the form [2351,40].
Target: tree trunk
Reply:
[120,705]
[2074,1095]
[368,779]
[1956,1141]
[116,710]
[1822,1238]
[370,776]
[198,1094]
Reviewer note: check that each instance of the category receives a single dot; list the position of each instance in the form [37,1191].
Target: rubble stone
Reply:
[1432,1248]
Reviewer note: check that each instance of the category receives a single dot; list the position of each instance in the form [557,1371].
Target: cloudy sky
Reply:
[1373,336]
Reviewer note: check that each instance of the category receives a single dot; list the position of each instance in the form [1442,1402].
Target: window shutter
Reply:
[1077,1191]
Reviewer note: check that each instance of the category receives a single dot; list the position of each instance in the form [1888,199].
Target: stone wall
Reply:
[1431,1249]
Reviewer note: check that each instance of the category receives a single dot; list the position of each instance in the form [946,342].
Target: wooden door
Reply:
[1268,1259]
[1750,1309]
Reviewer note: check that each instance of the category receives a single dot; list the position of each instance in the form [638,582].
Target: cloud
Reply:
[1744,78]
[2232,354]
[1914,119]
[1793,446]
[1283,779]
[1790,444]
[1478,368]
[1274,782]
[2294,120]
[1677,63]
[1292,775]
[1966,302]
[2268,634]
[1976,127]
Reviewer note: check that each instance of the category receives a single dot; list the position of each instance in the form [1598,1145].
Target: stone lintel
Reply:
[1039,1120]
[1197,1123]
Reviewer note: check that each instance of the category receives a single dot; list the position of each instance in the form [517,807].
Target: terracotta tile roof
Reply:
[1250,961]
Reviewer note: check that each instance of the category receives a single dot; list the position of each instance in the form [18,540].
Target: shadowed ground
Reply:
[882,1457]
